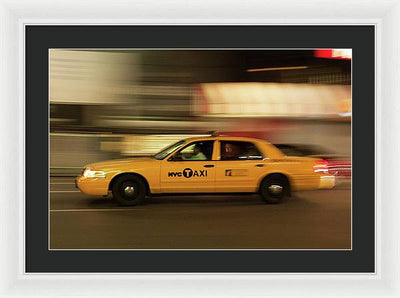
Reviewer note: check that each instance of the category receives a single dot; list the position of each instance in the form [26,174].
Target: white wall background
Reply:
[388,142]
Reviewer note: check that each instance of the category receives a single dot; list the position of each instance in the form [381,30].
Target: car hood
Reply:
[120,163]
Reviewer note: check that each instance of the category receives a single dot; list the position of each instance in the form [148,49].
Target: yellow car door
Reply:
[189,170]
[240,168]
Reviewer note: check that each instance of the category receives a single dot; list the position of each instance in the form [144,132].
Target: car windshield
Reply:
[163,153]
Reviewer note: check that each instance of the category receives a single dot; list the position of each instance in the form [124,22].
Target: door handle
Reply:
[208,166]
[260,165]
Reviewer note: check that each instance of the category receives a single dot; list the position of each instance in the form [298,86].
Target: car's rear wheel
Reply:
[129,190]
[273,189]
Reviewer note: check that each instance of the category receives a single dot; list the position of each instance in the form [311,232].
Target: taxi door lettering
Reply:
[200,173]
[174,174]
[186,177]
[188,173]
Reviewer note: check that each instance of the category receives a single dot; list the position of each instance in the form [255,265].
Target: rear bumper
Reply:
[327,182]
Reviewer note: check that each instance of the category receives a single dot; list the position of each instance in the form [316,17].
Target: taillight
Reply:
[321,166]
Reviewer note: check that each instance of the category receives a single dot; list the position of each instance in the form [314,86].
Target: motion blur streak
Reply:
[107,104]
[276,68]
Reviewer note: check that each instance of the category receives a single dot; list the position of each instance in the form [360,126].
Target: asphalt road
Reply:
[307,220]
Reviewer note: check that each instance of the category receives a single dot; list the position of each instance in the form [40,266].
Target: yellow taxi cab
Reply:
[216,164]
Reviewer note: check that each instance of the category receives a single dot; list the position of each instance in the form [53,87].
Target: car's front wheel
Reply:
[129,190]
[273,189]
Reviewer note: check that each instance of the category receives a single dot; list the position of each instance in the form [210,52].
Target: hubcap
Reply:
[129,190]
[275,189]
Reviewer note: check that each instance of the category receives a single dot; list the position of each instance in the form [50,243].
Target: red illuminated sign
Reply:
[334,54]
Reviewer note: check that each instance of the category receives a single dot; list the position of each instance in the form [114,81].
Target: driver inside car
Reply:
[197,154]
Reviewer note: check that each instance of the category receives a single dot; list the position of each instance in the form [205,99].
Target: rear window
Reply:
[234,150]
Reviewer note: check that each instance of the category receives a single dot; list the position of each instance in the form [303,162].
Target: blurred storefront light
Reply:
[272,100]
[93,77]
[276,68]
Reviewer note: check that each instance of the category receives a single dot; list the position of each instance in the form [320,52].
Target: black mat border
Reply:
[39,39]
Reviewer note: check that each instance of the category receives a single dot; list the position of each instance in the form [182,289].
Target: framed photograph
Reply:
[200,153]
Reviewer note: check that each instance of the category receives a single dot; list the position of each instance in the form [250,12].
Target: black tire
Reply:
[273,189]
[129,190]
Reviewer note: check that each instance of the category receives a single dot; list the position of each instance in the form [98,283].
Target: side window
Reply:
[231,150]
[201,150]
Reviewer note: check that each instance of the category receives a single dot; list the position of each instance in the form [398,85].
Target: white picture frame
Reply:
[15,15]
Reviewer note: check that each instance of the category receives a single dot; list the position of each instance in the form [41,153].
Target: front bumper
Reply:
[92,186]
[327,182]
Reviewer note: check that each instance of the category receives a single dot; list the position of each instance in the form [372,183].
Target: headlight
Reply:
[94,174]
